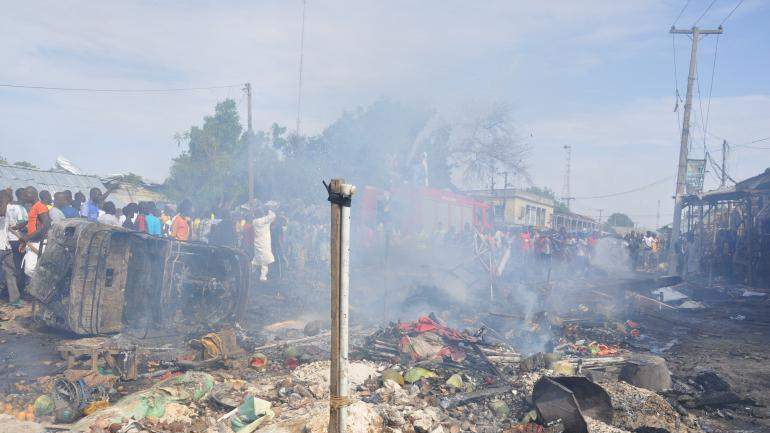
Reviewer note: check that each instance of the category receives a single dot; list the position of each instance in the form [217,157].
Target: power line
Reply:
[711,88]
[704,13]
[746,144]
[87,89]
[731,13]
[657,182]
[716,168]
[680,13]
[752,142]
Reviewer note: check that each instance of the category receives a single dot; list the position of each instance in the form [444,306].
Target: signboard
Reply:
[694,175]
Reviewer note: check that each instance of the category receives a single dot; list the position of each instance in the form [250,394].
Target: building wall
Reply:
[525,211]
[521,208]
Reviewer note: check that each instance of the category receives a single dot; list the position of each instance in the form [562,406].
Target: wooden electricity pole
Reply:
[249,145]
[683,144]
[724,160]
[340,195]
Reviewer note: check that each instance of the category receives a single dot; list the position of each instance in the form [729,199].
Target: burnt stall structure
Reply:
[95,279]
[727,232]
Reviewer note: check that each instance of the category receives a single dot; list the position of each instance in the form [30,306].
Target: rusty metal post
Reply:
[340,195]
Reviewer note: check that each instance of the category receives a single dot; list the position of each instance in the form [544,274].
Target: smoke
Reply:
[611,255]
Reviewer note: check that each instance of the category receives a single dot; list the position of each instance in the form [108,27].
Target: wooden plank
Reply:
[335,227]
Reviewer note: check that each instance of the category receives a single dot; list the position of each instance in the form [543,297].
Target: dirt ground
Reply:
[731,337]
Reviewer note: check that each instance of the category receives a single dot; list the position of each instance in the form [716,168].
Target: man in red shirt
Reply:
[38,222]
[180,225]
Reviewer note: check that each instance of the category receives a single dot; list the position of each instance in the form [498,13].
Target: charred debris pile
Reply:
[418,376]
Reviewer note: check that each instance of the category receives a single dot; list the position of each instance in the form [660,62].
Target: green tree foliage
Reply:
[212,169]
[380,145]
[619,220]
[25,164]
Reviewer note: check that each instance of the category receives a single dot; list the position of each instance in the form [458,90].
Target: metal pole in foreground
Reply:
[340,194]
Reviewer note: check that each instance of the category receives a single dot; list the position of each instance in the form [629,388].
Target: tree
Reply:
[487,145]
[25,164]
[212,169]
[619,220]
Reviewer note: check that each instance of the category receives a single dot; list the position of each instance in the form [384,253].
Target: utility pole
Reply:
[724,158]
[657,217]
[600,216]
[505,193]
[685,139]
[301,64]
[250,145]
[340,195]
[565,192]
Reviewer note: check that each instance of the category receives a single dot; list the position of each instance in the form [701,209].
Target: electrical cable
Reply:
[86,89]
[680,13]
[731,12]
[711,88]
[704,13]
[755,147]
[747,144]
[659,181]
[676,83]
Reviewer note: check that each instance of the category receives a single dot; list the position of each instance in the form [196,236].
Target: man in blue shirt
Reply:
[92,208]
[151,217]
[68,210]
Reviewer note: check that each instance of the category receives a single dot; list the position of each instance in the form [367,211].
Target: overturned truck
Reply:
[95,279]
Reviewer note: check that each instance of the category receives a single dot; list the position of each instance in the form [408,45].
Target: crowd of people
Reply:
[645,250]
[274,240]
[541,251]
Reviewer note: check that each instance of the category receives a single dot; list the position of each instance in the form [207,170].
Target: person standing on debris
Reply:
[180,224]
[247,236]
[108,217]
[278,243]
[223,232]
[68,210]
[38,222]
[45,197]
[153,222]
[141,217]
[59,202]
[165,219]
[9,268]
[128,220]
[90,209]
[263,253]
[16,214]
[78,201]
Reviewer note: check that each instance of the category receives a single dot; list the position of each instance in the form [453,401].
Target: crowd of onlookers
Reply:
[645,250]
[275,240]
[541,252]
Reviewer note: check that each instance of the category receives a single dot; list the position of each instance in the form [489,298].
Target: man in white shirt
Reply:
[263,253]
[9,216]
[108,217]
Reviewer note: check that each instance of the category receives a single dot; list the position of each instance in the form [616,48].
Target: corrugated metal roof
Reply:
[53,181]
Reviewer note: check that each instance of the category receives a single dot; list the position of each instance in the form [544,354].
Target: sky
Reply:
[597,75]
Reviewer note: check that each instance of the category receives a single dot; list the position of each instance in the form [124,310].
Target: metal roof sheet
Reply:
[53,181]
